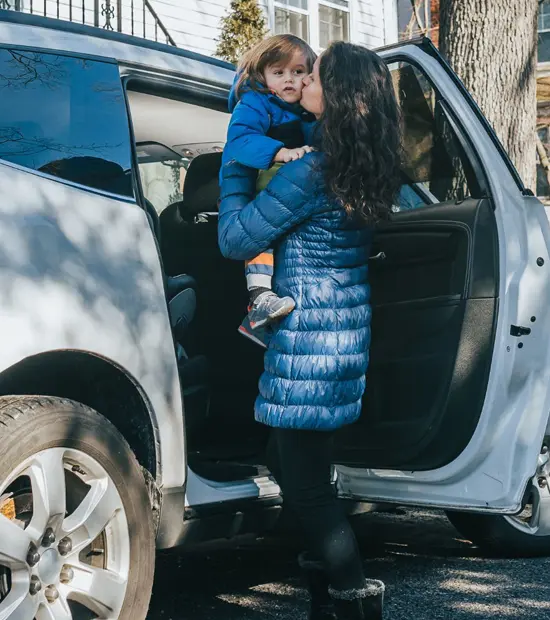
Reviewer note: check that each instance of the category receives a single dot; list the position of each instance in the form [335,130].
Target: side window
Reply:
[436,167]
[65,117]
[162,171]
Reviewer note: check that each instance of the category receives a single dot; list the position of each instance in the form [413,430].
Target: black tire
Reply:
[29,424]
[496,535]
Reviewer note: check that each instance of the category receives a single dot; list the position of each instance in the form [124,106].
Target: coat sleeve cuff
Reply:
[264,159]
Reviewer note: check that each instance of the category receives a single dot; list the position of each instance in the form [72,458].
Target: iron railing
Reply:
[136,17]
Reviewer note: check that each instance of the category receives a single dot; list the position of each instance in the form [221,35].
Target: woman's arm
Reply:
[247,140]
[247,226]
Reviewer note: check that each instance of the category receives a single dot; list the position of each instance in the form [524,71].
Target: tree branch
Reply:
[423,29]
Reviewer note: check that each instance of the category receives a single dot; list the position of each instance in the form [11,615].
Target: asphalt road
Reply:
[430,573]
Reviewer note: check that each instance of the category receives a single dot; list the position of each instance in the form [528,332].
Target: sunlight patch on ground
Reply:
[274,596]
[277,589]
[486,610]
[462,585]
[472,574]
[530,604]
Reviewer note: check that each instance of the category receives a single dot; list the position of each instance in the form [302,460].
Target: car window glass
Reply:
[410,198]
[436,167]
[162,172]
[65,117]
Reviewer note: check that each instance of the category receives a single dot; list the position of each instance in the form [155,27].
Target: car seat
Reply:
[189,232]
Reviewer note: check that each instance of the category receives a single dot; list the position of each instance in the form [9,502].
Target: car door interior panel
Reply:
[434,298]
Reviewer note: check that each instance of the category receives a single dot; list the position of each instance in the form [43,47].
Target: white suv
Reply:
[126,401]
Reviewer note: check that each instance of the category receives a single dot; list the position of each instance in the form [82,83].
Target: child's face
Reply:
[286,81]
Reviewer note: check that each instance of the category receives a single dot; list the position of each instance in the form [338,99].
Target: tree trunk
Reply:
[492,46]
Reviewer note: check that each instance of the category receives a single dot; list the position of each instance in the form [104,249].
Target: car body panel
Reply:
[80,271]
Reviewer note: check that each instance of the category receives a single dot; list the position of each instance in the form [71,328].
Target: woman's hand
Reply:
[285,155]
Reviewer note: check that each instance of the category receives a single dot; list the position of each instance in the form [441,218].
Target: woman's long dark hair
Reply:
[360,131]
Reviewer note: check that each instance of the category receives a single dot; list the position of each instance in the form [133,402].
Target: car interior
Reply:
[178,149]
[433,273]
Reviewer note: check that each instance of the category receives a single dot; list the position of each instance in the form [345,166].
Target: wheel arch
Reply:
[98,383]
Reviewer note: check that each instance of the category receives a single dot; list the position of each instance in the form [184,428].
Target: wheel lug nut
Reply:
[33,557]
[66,575]
[65,546]
[49,538]
[35,585]
[51,594]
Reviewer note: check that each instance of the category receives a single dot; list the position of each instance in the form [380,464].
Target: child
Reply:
[267,129]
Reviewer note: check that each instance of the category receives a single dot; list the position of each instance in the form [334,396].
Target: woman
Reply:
[318,213]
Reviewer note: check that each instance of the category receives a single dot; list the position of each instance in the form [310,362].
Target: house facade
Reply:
[195,24]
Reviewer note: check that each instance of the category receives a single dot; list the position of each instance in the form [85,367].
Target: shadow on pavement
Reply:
[430,572]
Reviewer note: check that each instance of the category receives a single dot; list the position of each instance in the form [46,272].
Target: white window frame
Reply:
[338,7]
[276,4]
[312,13]
[391,27]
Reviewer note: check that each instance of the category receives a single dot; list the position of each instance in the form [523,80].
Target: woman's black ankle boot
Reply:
[361,604]
[321,607]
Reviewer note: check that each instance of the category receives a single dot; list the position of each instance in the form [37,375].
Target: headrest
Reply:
[201,189]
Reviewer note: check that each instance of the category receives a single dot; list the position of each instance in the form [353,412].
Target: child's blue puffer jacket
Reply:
[316,361]
[252,117]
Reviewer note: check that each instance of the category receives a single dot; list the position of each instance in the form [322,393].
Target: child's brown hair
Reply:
[279,48]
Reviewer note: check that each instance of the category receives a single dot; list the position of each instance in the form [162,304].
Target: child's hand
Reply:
[285,155]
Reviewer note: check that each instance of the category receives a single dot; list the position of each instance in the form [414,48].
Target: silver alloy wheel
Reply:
[534,519]
[53,573]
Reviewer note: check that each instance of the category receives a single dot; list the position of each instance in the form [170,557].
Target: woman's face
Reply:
[312,93]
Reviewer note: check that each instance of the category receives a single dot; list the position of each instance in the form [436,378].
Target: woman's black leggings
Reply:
[301,463]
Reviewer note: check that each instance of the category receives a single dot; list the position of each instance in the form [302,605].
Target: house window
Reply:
[316,21]
[544,32]
[291,16]
[333,22]
[293,4]
[544,16]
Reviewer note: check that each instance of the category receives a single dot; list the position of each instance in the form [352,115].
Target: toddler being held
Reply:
[268,128]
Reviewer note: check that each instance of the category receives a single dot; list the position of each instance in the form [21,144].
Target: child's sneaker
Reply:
[260,336]
[268,307]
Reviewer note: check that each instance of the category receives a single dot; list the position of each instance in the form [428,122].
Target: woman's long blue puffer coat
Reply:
[316,361]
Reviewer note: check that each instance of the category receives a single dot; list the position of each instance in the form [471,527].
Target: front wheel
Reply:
[526,534]
[76,528]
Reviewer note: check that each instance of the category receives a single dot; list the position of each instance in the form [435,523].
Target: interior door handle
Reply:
[379,256]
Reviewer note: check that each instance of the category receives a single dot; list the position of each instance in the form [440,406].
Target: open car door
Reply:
[458,390]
